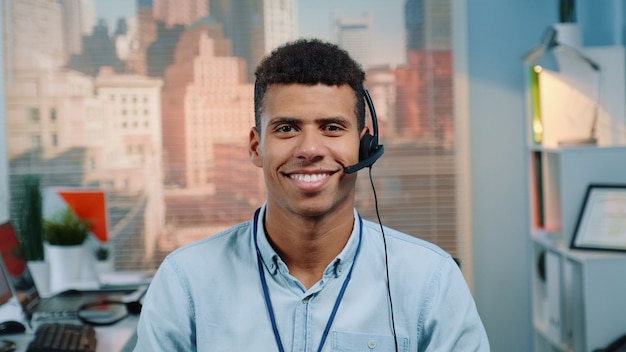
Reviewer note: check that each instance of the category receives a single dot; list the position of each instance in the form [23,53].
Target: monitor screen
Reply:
[15,267]
[5,289]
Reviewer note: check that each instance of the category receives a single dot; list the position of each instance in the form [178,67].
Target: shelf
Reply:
[580,255]
[559,178]
[543,334]
[560,150]
[578,295]
[578,299]
[578,302]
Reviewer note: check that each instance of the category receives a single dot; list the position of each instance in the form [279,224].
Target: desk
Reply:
[115,338]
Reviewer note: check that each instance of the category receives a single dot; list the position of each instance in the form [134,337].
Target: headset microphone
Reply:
[369,152]
[369,149]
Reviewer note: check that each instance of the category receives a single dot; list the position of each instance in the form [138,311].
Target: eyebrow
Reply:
[283,120]
[321,121]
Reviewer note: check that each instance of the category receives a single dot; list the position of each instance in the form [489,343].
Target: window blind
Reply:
[155,108]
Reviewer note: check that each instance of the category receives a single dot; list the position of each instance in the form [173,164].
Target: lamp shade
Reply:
[547,43]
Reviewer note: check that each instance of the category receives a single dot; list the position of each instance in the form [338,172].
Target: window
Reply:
[35,142]
[200,164]
[91,163]
[33,113]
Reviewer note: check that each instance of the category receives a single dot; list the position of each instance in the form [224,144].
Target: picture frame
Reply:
[601,222]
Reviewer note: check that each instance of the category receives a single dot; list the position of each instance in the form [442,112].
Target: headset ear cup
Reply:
[133,308]
[369,149]
[367,146]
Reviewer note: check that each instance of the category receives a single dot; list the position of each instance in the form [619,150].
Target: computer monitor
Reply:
[18,275]
[5,289]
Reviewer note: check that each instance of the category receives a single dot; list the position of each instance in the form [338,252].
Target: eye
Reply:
[333,128]
[285,129]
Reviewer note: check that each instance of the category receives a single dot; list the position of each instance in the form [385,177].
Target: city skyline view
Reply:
[315,20]
[154,106]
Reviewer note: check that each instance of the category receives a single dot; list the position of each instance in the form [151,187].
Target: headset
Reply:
[369,149]
[108,312]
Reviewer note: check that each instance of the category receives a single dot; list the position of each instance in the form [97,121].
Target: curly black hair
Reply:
[309,62]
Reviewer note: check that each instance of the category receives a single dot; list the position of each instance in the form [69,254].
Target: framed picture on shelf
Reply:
[602,220]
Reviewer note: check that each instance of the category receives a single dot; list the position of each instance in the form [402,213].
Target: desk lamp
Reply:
[542,57]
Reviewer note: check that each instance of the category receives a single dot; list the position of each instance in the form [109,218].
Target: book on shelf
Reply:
[537,173]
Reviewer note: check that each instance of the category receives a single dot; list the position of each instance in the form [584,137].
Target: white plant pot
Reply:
[65,266]
[40,272]
[103,266]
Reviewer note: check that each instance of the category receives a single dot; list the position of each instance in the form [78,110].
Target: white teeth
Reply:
[308,177]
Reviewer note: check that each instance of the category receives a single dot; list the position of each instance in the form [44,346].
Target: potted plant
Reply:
[102,253]
[65,234]
[29,222]
[66,229]
[104,261]
[27,205]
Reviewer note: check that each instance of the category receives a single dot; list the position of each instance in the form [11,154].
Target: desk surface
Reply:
[115,338]
[119,337]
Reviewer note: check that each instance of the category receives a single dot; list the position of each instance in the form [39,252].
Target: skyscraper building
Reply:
[355,35]
[220,110]
[46,111]
[180,12]
[428,24]
[188,84]
[35,39]
[280,24]
[208,111]
[79,18]
[98,51]
[256,27]
[129,160]
[424,84]
[137,61]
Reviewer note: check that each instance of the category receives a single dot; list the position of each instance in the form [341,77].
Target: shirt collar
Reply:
[342,262]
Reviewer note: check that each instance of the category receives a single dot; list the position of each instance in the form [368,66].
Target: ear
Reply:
[365,130]
[254,147]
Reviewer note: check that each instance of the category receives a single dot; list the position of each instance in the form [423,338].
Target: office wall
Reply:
[499,33]
[603,22]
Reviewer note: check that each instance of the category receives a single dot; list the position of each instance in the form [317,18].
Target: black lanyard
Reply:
[266,292]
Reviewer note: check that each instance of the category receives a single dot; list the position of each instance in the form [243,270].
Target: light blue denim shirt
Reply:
[207,296]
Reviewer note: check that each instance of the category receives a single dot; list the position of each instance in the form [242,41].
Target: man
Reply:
[307,273]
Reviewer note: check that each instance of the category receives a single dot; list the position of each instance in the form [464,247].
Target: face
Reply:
[308,135]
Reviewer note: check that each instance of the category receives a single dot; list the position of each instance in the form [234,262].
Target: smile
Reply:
[309,177]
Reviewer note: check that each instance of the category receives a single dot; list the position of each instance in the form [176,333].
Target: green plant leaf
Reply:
[65,229]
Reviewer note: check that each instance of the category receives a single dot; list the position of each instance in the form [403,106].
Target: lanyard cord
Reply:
[266,292]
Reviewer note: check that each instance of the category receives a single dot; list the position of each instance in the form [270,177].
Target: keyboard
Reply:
[63,337]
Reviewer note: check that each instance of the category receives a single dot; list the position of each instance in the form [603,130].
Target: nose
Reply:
[310,146]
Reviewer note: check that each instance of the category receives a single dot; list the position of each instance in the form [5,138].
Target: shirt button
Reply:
[371,344]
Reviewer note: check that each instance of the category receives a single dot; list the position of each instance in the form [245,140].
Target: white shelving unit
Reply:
[579,296]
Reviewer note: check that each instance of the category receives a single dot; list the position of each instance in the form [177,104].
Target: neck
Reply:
[308,244]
